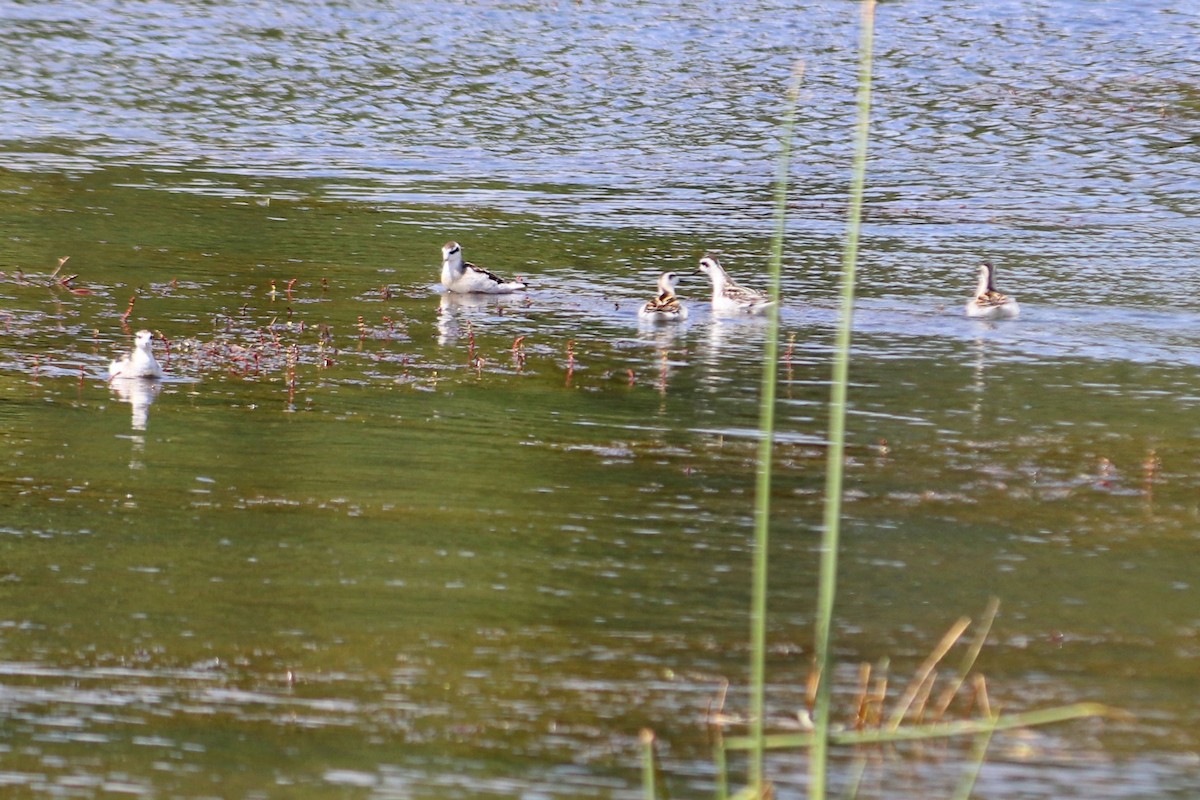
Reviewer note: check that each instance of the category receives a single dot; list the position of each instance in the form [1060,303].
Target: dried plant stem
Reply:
[925,671]
[981,697]
[968,662]
[862,696]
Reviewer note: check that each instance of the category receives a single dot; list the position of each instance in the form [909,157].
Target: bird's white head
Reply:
[668,281]
[143,338]
[451,250]
[711,267]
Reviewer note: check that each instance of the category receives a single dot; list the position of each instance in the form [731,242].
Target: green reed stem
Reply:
[974,765]
[766,417]
[722,767]
[818,764]
[934,730]
[648,780]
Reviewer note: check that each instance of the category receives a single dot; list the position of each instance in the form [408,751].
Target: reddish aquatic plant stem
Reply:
[128,311]
[167,347]
[518,350]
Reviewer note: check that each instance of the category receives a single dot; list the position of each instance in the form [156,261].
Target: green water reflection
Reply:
[361,556]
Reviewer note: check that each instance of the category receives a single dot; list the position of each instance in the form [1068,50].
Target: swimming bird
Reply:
[466,278]
[138,364]
[666,306]
[987,302]
[727,296]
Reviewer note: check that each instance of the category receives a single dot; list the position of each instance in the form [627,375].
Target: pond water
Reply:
[369,541]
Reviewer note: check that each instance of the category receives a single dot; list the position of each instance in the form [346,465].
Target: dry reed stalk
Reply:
[969,659]
[718,717]
[939,652]
[810,687]
[981,697]
[877,701]
[864,688]
[922,696]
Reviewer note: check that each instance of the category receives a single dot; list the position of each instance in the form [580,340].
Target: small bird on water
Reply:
[466,278]
[729,297]
[987,302]
[140,363]
[666,306]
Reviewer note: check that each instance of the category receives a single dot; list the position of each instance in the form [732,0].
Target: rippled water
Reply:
[369,541]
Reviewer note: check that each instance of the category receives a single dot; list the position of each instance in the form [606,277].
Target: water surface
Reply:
[370,541]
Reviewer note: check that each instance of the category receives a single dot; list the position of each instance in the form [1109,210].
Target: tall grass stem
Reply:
[648,780]
[978,755]
[818,765]
[766,417]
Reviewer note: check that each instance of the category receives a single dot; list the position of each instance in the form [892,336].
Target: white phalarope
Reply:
[466,278]
[987,302]
[728,297]
[138,364]
[666,306]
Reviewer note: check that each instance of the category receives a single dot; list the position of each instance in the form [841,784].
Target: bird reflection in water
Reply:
[140,393]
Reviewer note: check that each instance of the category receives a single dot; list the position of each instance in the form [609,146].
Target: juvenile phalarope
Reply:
[466,278]
[987,302]
[138,364]
[727,296]
[666,307]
